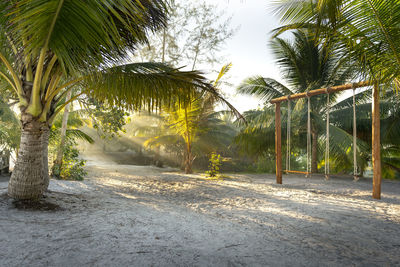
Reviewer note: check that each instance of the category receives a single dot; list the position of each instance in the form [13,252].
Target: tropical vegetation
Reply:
[102,56]
[50,47]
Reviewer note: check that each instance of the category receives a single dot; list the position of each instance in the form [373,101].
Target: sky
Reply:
[248,49]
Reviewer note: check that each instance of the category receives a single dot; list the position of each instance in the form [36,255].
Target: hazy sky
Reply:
[248,50]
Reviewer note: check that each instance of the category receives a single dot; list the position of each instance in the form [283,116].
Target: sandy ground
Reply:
[144,216]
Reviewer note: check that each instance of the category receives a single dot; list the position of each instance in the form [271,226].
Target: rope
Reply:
[308,137]
[288,136]
[355,172]
[327,144]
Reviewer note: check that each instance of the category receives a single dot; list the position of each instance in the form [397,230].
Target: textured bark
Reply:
[27,179]
[45,145]
[188,160]
[314,151]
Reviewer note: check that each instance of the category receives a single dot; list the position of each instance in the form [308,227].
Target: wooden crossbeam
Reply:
[321,91]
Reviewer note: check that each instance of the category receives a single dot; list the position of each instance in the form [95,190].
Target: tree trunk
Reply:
[45,144]
[314,151]
[157,157]
[4,161]
[188,160]
[27,179]
[60,152]
[361,174]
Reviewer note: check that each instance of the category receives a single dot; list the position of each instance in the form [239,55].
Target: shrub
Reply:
[214,166]
[72,167]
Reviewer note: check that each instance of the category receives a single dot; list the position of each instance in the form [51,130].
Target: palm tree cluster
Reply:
[191,131]
[55,52]
[335,42]
[51,47]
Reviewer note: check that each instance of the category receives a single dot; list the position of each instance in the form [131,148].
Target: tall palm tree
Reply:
[196,126]
[192,134]
[305,65]
[47,48]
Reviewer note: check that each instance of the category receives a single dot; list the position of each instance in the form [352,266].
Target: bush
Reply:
[72,167]
[214,166]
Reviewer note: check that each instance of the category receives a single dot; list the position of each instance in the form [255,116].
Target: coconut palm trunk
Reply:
[45,154]
[188,159]
[28,178]
[188,141]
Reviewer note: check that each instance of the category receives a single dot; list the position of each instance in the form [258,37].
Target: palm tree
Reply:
[195,126]
[47,48]
[191,134]
[367,30]
[306,65]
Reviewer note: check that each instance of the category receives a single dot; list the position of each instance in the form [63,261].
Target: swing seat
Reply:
[298,172]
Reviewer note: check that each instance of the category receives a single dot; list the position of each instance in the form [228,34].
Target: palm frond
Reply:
[82,34]
[148,86]
[263,88]
[79,134]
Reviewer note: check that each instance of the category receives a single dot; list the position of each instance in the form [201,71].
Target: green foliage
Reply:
[88,56]
[215,165]
[306,65]
[107,30]
[106,119]
[75,121]
[196,129]
[9,128]
[368,31]
[72,167]
[49,48]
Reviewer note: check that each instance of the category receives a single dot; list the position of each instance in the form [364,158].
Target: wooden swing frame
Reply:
[376,146]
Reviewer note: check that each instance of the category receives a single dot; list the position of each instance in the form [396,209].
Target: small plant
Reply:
[214,166]
[72,165]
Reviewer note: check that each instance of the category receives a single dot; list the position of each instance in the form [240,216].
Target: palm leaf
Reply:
[263,88]
[82,34]
[148,85]
[79,134]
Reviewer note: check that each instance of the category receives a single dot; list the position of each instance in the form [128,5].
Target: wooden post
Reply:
[376,144]
[278,143]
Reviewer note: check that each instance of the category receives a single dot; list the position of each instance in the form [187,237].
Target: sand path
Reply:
[144,216]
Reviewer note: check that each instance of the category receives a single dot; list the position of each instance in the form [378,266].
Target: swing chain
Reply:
[355,169]
[288,136]
[308,136]
[327,143]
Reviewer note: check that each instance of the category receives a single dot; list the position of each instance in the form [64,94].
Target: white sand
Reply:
[144,216]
